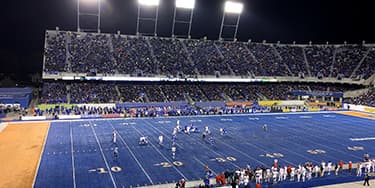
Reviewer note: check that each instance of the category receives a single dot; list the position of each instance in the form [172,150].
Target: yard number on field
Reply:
[223,160]
[104,170]
[167,164]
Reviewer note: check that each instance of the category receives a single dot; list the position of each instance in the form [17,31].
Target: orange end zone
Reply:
[21,145]
[359,114]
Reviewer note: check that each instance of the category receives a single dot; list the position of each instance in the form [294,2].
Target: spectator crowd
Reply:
[119,54]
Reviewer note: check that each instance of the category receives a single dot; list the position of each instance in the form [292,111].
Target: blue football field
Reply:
[80,153]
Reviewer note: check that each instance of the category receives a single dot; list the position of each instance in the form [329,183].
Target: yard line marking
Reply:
[105,160]
[362,139]
[163,156]
[72,154]
[131,152]
[40,157]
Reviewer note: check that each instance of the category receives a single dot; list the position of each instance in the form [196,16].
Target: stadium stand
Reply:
[73,52]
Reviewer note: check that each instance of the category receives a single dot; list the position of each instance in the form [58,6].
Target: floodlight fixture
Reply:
[188,4]
[90,1]
[90,13]
[149,2]
[183,6]
[148,19]
[233,7]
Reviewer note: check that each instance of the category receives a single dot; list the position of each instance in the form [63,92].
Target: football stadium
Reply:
[144,109]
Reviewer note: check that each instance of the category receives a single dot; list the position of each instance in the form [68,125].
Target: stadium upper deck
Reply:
[73,52]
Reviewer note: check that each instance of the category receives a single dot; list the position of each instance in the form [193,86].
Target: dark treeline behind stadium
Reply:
[24,23]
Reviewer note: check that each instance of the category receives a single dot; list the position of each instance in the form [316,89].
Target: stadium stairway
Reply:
[360,63]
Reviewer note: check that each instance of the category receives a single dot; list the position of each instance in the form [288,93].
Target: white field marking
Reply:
[281,117]
[255,118]
[356,148]
[178,117]
[40,157]
[131,152]
[105,160]
[72,152]
[225,119]
[329,116]
[195,120]
[164,122]
[2,126]
[157,150]
[362,139]
[305,117]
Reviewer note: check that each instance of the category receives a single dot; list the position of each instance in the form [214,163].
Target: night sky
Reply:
[23,24]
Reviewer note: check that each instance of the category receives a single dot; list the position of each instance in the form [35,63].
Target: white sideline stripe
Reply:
[72,152]
[362,139]
[2,126]
[156,149]
[105,160]
[131,152]
[40,157]
[176,117]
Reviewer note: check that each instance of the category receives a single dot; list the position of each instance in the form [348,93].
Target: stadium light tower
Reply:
[183,5]
[231,8]
[86,13]
[148,4]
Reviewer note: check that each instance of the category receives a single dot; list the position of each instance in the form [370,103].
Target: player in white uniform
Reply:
[115,153]
[309,172]
[265,127]
[114,137]
[268,175]
[303,173]
[275,173]
[258,175]
[323,168]
[281,174]
[143,140]
[299,173]
[187,129]
[174,131]
[161,140]
[178,126]
[173,152]
[316,171]
[285,173]
[329,166]
[359,169]
[207,130]
[292,174]
[223,131]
